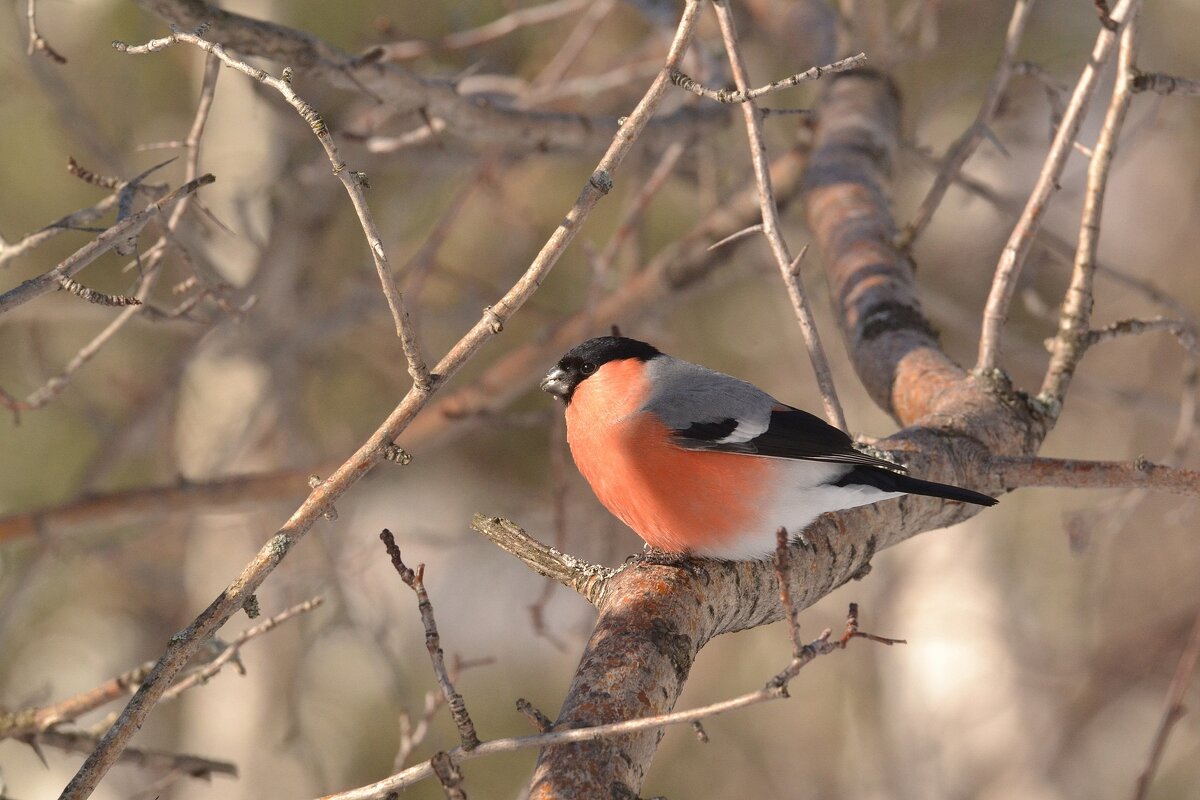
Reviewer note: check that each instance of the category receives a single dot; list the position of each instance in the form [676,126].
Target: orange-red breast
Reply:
[695,461]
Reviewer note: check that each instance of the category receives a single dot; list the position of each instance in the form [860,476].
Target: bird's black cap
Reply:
[582,360]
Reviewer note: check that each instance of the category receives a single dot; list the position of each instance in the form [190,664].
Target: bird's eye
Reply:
[588,368]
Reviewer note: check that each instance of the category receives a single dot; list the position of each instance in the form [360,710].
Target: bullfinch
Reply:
[699,462]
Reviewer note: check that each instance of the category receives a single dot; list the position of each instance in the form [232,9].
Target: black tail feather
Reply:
[895,482]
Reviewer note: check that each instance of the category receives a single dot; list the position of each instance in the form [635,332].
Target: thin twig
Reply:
[1074,335]
[637,207]
[1174,710]
[415,579]
[579,37]
[473,37]
[73,221]
[36,41]
[1162,83]
[1012,259]
[1185,333]
[746,95]
[771,225]
[229,653]
[965,145]
[186,765]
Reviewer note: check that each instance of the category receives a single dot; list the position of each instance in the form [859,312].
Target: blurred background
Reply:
[1042,634]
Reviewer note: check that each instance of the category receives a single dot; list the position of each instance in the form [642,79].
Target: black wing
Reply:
[790,433]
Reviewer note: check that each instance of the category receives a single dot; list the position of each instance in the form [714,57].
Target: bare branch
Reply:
[473,37]
[448,775]
[575,574]
[188,765]
[1019,242]
[771,225]
[1013,473]
[440,98]
[149,261]
[746,95]
[1073,328]
[1185,333]
[415,579]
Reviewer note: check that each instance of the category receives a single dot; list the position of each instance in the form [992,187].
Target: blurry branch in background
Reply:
[788,266]
[412,736]
[1174,710]
[965,144]
[37,721]
[174,765]
[439,100]
[149,262]
[42,726]
[473,37]
[325,493]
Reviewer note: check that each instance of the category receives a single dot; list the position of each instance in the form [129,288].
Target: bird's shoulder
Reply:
[708,410]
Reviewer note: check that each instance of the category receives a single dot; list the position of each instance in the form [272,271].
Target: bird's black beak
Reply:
[557,383]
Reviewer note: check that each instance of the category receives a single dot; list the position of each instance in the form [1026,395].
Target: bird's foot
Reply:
[661,558]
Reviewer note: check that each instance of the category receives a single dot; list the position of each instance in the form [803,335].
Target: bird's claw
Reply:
[661,558]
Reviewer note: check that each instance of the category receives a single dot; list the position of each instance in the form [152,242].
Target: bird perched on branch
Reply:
[699,462]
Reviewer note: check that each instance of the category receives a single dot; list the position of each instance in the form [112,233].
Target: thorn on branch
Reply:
[852,631]
[448,775]
[537,719]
